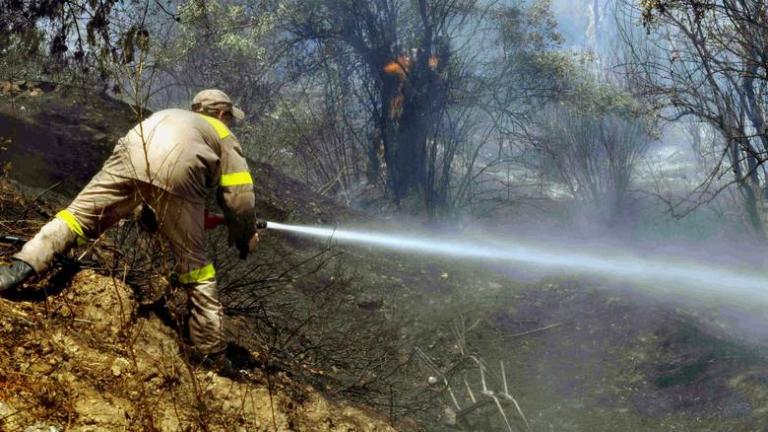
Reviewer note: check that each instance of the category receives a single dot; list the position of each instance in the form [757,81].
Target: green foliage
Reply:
[226,45]
[275,138]
[223,27]
[532,28]
[15,52]
[651,9]
[592,96]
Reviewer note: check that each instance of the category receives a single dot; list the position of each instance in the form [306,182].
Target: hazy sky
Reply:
[573,16]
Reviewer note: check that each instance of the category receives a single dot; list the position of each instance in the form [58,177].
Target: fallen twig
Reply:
[530,332]
[40,195]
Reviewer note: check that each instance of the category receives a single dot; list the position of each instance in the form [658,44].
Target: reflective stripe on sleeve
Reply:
[236,179]
[221,129]
[198,275]
[72,224]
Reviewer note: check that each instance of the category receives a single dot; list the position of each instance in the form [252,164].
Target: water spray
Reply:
[698,277]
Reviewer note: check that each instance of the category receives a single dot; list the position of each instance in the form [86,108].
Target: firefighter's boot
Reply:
[13,274]
[217,362]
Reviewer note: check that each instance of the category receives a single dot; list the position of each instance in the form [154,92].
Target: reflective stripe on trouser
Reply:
[206,323]
[103,201]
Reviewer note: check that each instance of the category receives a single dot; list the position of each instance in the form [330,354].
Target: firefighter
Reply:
[164,165]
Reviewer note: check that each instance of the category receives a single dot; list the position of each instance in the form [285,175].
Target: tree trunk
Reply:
[749,186]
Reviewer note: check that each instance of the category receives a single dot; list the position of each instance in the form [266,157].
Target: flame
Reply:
[398,67]
[396,106]
[433,62]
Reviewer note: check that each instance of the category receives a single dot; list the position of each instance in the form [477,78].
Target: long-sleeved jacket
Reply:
[185,153]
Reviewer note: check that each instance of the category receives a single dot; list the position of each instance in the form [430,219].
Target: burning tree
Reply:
[440,82]
[404,51]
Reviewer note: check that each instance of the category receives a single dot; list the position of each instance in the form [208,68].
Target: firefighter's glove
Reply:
[146,217]
[241,236]
[242,246]
[246,246]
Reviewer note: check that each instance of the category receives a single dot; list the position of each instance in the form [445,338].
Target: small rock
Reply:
[5,410]
[494,285]
[119,365]
[42,427]
[369,304]
[449,416]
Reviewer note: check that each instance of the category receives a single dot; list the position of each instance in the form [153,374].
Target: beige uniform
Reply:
[168,162]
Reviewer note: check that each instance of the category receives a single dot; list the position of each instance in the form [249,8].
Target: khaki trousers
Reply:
[109,198]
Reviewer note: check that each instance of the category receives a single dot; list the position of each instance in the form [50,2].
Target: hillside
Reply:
[85,360]
[334,329]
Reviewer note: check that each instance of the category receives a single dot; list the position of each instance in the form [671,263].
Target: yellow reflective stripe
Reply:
[236,179]
[217,124]
[72,224]
[198,275]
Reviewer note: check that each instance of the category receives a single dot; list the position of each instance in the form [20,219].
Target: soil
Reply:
[84,360]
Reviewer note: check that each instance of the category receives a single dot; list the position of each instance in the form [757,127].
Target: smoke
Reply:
[576,22]
[685,276]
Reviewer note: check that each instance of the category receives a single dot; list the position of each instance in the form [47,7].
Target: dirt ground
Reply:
[83,359]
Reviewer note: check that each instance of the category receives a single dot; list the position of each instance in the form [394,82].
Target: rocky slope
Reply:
[83,359]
